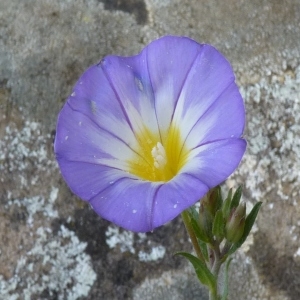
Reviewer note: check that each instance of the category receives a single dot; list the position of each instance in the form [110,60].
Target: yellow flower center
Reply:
[156,159]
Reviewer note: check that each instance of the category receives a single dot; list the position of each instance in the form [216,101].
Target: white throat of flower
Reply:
[159,155]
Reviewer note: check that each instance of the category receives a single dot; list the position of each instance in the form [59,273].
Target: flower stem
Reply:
[213,295]
[189,229]
[215,265]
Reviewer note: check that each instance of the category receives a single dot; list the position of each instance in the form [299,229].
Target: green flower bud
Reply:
[235,223]
[205,222]
[213,200]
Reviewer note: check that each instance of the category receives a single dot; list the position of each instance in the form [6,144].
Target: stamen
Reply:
[155,161]
[159,154]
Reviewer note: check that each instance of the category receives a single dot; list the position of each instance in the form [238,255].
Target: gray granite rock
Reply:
[52,245]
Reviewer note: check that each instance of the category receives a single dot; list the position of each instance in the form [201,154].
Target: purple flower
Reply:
[142,138]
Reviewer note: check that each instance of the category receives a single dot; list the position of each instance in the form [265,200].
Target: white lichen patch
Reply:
[141,237]
[57,264]
[36,262]
[24,155]
[19,147]
[155,254]
[124,240]
[37,204]
[273,136]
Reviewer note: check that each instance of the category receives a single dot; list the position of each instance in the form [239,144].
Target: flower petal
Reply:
[170,60]
[94,97]
[89,156]
[127,203]
[88,180]
[143,206]
[210,78]
[223,119]
[80,139]
[129,78]
[175,196]
[212,163]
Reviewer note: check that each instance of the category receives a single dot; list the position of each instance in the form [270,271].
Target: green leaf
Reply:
[236,197]
[203,273]
[203,247]
[226,271]
[218,225]
[250,219]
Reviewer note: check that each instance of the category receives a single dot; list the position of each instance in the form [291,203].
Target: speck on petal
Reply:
[142,138]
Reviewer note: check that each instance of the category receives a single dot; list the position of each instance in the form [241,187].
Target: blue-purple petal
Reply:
[175,196]
[213,162]
[170,61]
[225,118]
[127,203]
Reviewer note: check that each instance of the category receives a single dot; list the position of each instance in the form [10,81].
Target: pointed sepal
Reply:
[218,228]
[236,197]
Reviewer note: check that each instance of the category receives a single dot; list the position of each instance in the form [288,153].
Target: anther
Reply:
[159,155]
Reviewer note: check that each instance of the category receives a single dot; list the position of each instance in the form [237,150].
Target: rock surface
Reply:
[52,245]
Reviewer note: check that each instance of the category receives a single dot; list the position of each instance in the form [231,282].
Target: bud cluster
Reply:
[220,219]
[217,230]
[226,219]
